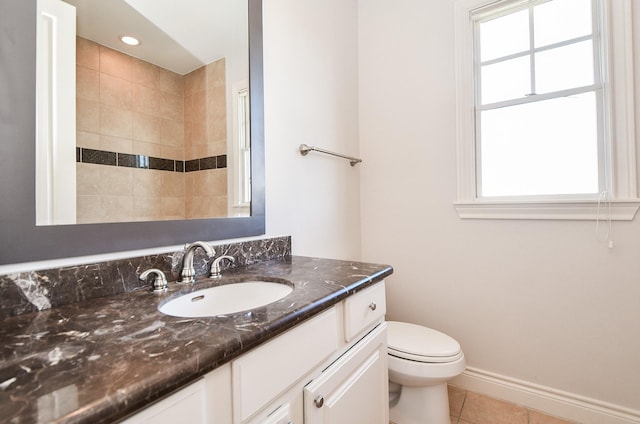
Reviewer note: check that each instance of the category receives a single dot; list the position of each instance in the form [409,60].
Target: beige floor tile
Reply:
[479,409]
[536,417]
[456,400]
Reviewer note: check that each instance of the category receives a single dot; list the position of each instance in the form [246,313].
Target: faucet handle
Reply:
[159,282]
[216,272]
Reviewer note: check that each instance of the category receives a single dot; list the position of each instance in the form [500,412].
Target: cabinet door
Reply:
[354,389]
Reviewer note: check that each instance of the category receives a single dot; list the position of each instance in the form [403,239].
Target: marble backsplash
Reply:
[24,292]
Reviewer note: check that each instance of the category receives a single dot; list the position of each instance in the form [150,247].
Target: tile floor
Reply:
[473,408]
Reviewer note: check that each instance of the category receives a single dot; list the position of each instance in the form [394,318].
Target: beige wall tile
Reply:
[88,209]
[87,53]
[188,109]
[199,151]
[116,181]
[116,144]
[170,82]
[173,184]
[189,207]
[198,133]
[199,107]
[87,116]
[195,81]
[172,107]
[115,63]
[188,138]
[147,149]
[87,84]
[219,207]
[88,179]
[88,140]
[115,91]
[116,121]
[480,409]
[210,182]
[211,207]
[145,73]
[147,100]
[217,102]
[216,148]
[172,207]
[116,208]
[216,74]
[172,152]
[217,132]
[147,183]
[188,184]
[199,206]
[172,133]
[147,208]
[147,127]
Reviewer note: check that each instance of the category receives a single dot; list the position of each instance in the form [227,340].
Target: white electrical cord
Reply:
[607,198]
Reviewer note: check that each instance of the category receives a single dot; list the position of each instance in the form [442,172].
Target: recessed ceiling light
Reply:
[129,40]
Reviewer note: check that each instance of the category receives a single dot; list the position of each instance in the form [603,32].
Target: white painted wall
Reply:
[311,97]
[539,301]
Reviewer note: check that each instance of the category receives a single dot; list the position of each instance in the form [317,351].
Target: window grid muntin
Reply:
[497,11]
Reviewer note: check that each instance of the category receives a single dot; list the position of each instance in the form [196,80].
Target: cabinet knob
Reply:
[373,306]
[319,401]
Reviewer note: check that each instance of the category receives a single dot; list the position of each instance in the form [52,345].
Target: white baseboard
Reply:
[550,401]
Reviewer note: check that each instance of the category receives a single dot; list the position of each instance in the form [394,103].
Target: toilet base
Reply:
[422,405]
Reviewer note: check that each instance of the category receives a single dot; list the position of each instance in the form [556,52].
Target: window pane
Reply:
[506,80]
[541,148]
[565,67]
[561,20]
[504,36]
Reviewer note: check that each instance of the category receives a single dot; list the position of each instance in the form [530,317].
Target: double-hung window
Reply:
[545,120]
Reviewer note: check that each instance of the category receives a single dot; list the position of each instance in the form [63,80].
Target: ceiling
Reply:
[179,35]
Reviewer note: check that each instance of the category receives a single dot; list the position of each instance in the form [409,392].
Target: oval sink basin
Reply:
[226,299]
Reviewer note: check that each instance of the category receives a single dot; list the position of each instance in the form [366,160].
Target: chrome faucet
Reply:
[159,282]
[216,272]
[188,272]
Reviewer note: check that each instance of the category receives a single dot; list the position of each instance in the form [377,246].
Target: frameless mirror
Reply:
[23,240]
[143,111]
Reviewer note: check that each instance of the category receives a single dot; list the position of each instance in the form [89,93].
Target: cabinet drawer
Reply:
[186,405]
[363,310]
[265,372]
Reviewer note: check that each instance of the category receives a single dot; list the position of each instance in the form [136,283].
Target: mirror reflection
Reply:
[159,129]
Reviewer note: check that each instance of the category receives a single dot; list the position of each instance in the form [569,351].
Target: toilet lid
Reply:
[418,343]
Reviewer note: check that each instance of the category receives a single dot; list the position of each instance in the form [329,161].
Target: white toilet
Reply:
[421,361]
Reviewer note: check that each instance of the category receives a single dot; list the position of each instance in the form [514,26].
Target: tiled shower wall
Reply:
[153,142]
[205,123]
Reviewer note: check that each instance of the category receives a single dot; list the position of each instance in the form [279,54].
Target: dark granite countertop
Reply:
[100,360]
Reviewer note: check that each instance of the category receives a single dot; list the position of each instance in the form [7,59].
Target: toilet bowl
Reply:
[421,361]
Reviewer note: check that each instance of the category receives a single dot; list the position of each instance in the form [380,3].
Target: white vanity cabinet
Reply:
[354,389]
[331,369]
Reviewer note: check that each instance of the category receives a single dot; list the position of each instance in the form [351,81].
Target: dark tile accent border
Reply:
[99,157]
[103,157]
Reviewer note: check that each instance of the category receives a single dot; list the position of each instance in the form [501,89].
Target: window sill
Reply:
[620,210]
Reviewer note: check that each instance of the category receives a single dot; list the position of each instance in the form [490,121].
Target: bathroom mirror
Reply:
[20,239]
[161,117]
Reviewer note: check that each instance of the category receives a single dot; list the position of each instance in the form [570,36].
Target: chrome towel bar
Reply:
[304,150]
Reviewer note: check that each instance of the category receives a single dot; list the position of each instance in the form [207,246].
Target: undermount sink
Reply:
[226,299]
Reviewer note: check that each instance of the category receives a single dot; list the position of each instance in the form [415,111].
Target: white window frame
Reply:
[620,135]
[241,203]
